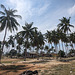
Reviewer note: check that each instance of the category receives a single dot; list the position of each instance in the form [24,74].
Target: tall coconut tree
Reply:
[8,21]
[11,40]
[41,40]
[48,36]
[72,39]
[38,41]
[65,25]
[27,34]
[18,40]
[55,39]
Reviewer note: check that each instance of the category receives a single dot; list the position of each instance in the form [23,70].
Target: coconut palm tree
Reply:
[8,21]
[46,48]
[27,34]
[65,25]
[72,39]
[19,41]
[38,41]
[48,36]
[55,39]
[11,40]
[41,40]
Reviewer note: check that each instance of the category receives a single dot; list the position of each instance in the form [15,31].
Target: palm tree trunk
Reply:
[66,49]
[0,56]
[67,43]
[25,54]
[73,46]
[59,46]
[3,43]
[62,46]
[26,50]
[37,55]
[51,44]
[56,48]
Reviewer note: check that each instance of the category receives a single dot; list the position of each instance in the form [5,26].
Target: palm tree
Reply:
[8,21]
[38,41]
[59,32]
[48,36]
[11,40]
[19,40]
[46,48]
[65,25]
[55,39]
[27,34]
[72,39]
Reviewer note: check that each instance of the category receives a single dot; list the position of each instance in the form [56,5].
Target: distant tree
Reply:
[71,52]
[61,53]
[13,53]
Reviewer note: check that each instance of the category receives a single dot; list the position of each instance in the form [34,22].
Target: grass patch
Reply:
[63,69]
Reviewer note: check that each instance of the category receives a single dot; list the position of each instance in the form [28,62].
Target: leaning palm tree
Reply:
[8,21]
[27,34]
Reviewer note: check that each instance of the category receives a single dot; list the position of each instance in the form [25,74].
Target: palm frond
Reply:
[3,24]
[2,13]
[18,16]
[1,18]
[2,6]
[71,25]
[14,20]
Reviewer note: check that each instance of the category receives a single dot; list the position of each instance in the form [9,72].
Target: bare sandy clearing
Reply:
[21,66]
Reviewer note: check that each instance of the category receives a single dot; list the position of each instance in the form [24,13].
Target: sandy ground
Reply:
[29,65]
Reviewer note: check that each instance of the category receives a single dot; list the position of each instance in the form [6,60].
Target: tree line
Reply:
[30,38]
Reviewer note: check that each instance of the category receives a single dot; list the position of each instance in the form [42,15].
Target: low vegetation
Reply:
[62,69]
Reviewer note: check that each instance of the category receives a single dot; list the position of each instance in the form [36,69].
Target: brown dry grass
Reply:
[21,66]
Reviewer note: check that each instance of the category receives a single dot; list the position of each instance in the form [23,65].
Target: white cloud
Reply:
[71,10]
[23,6]
[39,13]
[43,9]
[26,10]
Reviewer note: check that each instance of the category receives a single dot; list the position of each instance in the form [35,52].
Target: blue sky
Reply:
[44,13]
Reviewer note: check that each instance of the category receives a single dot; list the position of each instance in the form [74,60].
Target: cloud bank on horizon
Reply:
[44,13]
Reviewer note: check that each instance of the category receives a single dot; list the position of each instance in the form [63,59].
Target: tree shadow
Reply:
[40,62]
[13,68]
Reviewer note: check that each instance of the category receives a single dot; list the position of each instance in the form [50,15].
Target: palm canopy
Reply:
[7,19]
[55,37]
[19,38]
[41,39]
[28,30]
[72,37]
[11,40]
[48,36]
[65,24]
